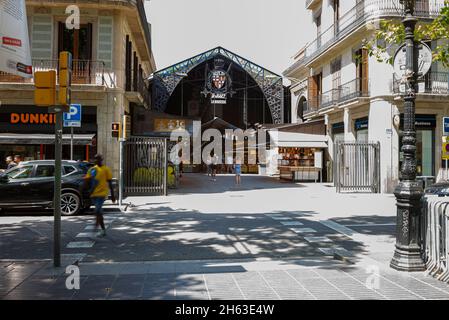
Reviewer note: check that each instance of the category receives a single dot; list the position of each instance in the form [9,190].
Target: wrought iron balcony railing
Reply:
[360,14]
[353,89]
[431,83]
[83,72]
[136,87]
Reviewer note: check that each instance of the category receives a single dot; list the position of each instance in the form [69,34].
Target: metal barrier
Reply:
[357,167]
[143,166]
[435,236]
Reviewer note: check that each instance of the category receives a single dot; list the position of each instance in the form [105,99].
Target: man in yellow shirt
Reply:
[99,179]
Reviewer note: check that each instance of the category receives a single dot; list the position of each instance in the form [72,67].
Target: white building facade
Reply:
[359,98]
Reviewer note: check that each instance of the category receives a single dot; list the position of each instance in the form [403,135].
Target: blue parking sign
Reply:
[445,126]
[73,117]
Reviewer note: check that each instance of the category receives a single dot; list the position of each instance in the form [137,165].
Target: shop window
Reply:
[425,144]
[362,135]
[425,152]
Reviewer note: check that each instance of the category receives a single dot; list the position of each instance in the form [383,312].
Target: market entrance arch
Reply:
[244,74]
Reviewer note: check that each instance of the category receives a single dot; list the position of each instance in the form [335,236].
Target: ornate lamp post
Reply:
[407,255]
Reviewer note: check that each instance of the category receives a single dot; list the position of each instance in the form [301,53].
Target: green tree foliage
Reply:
[392,34]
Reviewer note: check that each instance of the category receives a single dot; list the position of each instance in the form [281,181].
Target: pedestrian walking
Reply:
[10,163]
[238,172]
[99,179]
[209,165]
[18,159]
[181,169]
[214,167]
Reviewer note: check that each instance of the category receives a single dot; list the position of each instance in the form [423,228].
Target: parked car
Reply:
[31,185]
[441,189]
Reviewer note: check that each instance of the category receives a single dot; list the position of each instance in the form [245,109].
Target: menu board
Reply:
[319,159]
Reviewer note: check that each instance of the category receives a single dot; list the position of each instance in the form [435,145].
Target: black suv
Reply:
[31,185]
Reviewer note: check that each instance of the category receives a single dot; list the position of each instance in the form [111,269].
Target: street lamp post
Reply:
[407,255]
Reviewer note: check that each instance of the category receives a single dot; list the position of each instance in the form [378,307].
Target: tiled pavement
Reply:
[193,280]
[161,251]
[314,274]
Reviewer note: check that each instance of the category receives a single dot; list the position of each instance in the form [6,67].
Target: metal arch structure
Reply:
[166,80]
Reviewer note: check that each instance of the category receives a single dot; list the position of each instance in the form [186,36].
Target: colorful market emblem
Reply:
[218,79]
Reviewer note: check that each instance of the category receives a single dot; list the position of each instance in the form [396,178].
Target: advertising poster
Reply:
[15,57]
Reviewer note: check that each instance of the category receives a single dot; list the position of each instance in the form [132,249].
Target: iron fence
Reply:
[357,167]
[434,236]
[144,166]
[359,87]
[83,71]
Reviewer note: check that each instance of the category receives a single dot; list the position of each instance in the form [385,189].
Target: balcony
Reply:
[84,72]
[436,83]
[137,90]
[352,90]
[359,15]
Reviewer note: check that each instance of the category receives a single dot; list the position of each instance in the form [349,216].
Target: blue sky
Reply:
[267,32]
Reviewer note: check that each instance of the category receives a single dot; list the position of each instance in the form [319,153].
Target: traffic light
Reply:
[65,78]
[116,129]
[45,88]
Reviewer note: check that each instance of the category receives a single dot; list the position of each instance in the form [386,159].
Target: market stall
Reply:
[300,156]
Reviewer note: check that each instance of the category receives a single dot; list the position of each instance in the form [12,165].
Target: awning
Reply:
[23,138]
[298,140]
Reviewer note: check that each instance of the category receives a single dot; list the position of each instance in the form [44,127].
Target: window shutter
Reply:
[42,37]
[105,41]
[312,92]
[364,71]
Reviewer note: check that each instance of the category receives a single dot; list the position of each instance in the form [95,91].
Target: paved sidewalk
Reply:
[313,278]
[211,240]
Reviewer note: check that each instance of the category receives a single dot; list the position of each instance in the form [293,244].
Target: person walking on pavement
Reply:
[10,163]
[214,167]
[99,179]
[238,172]
[209,165]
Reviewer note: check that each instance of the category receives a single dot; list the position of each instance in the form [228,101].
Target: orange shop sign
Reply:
[32,118]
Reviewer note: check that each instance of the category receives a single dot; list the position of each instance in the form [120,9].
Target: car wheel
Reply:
[70,204]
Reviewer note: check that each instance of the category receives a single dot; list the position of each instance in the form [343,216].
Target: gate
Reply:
[357,167]
[143,166]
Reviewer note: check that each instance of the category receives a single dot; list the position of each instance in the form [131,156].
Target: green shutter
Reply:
[105,45]
[42,37]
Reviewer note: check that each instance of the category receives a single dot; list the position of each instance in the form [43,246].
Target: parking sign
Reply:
[73,117]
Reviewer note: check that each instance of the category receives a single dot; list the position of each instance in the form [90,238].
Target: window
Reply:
[314,88]
[336,16]
[77,41]
[20,173]
[44,171]
[336,79]
[362,60]
[318,30]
